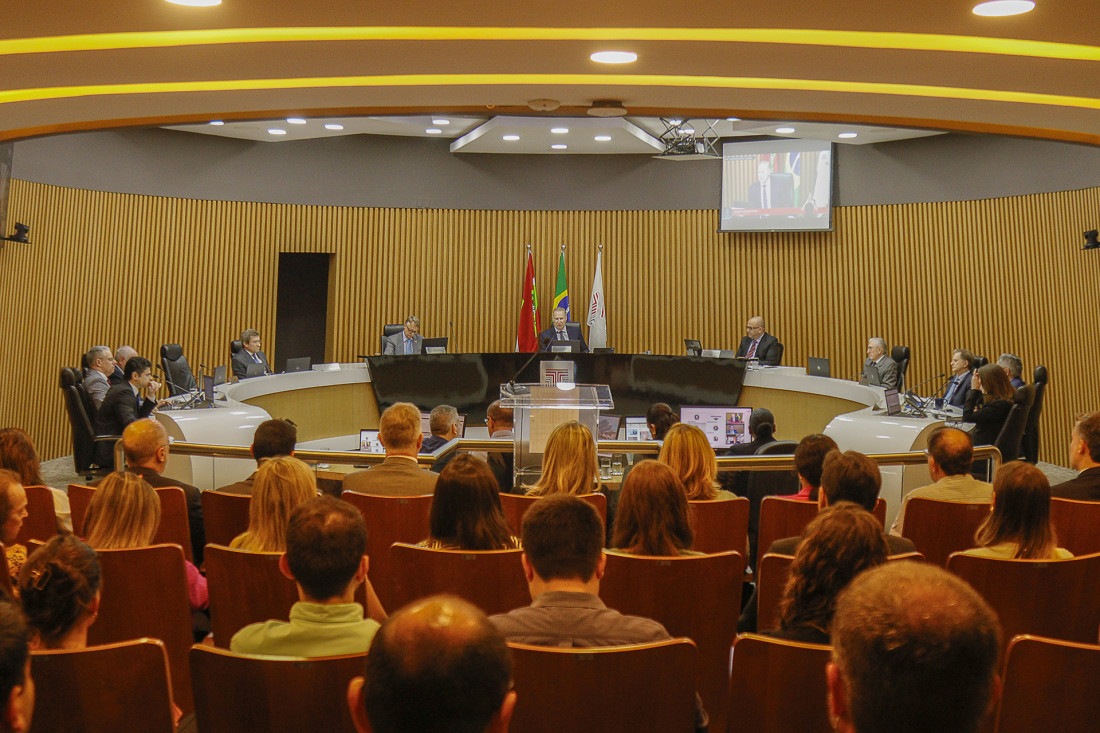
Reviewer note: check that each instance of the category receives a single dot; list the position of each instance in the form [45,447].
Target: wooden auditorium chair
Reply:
[245,588]
[389,519]
[174,525]
[80,495]
[939,528]
[492,580]
[782,517]
[41,520]
[1077,524]
[516,505]
[778,686]
[720,526]
[1049,685]
[224,516]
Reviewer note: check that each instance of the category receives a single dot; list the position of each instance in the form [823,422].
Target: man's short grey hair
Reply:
[413,320]
[879,342]
[1013,363]
[560,309]
[441,418]
[124,354]
[248,334]
[97,352]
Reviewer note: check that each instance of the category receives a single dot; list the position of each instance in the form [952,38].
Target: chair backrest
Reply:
[516,505]
[978,362]
[1036,696]
[768,483]
[1077,524]
[100,689]
[238,692]
[939,528]
[80,419]
[235,346]
[698,597]
[389,519]
[174,526]
[720,526]
[224,516]
[41,520]
[1030,446]
[782,517]
[245,588]
[608,689]
[900,354]
[779,349]
[1012,433]
[492,580]
[778,686]
[389,330]
[180,377]
[1055,598]
[145,594]
[80,496]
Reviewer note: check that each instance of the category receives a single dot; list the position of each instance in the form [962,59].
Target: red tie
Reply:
[752,350]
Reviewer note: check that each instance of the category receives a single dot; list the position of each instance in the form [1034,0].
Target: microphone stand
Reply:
[534,355]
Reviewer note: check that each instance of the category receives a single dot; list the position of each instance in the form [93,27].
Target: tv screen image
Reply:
[723,426]
[777,185]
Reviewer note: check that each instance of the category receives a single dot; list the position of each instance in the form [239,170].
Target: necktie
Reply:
[752,350]
[950,391]
[408,346]
[561,335]
[764,197]
[256,358]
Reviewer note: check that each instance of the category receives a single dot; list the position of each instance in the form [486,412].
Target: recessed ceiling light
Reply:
[602,138]
[440,121]
[614,57]
[276,131]
[295,121]
[197,3]
[559,130]
[847,135]
[1001,8]
[559,146]
[733,119]
[675,121]
[511,138]
[433,131]
[216,122]
[333,126]
[784,130]
[687,130]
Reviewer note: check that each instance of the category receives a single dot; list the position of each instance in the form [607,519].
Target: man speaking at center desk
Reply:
[561,331]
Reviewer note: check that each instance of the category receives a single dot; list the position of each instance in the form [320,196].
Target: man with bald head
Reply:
[435,666]
[145,443]
[950,456]
[915,650]
[759,344]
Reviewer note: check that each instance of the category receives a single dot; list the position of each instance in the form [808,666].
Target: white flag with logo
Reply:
[597,311]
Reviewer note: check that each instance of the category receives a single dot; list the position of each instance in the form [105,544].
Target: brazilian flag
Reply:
[561,288]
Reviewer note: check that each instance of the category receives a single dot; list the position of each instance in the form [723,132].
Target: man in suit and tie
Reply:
[961,376]
[398,475]
[124,403]
[759,344]
[561,331]
[770,191]
[409,341]
[249,354]
[879,370]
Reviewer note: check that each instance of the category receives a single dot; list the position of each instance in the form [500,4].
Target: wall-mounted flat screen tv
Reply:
[777,185]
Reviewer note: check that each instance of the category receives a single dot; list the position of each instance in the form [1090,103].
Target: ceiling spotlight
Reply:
[1090,238]
[544,105]
[216,123]
[333,126]
[559,146]
[22,229]
[687,130]
[784,130]
[1003,8]
[559,130]
[441,122]
[276,131]
[510,138]
[295,121]
[733,119]
[847,135]
[433,131]
[614,57]
[675,121]
[602,138]
[607,108]
[197,3]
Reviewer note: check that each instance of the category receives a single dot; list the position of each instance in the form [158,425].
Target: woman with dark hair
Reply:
[466,512]
[652,517]
[762,432]
[988,403]
[841,542]
[17,453]
[59,590]
[1019,526]
[660,417]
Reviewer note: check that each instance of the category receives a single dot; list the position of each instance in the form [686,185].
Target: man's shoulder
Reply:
[578,620]
[240,488]
[1085,487]
[785,546]
[900,545]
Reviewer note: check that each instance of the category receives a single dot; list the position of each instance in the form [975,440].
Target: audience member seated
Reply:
[466,512]
[124,513]
[879,369]
[988,403]
[961,376]
[839,544]
[443,423]
[687,452]
[809,457]
[272,438]
[436,666]
[914,649]
[652,518]
[100,366]
[17,453]
[398,475]
[1019,526]
[59,589]
[1014,369]
[135,398]
[16,685]
[500,422]
[950,458]
[145,443]
[659,418]
[568,463]
[249,354]
[326,557]
[1084,456]
[563,561]
[13,510]
[762,432]
[281,485]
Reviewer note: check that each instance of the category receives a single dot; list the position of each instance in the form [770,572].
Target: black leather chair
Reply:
[978,362]
[181,379]
[235,346]
[1012,434]
[388,330]
[900,354]
[1029,448]
[81,412]
[768,483]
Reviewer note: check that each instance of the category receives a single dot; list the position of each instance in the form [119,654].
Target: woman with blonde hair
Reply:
[652,517]
[281,484]
[687,452]
[569,463]
[124,513]
[1019,527]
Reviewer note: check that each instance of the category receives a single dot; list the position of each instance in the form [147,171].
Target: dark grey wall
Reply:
[405,172]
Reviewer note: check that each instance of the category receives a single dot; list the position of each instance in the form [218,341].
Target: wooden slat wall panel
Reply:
[993,275]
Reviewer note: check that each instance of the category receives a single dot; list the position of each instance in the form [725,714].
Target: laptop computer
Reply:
[220,373]
[565,347]
[253,370]
[693,347]
[817,366]
[893,402]
[636,428]
[299,364]
[435,345]
[369,443]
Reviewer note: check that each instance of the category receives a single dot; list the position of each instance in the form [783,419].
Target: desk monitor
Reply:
[565,347]
[435,345]
[711,353]
[208,388]
[608,428]
[299,364]
[219,375]
[893,402]
[723,426]
[817,366]
[636,428]
[693,347]
[369,443]
[727,354]
[254,370]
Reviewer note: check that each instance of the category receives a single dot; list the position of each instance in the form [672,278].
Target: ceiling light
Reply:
[433,131]
[614,57]
[559,130]
[847,135]
[276,131]
[602,138]
[687,130]
[197,3]
[295,121]
[607,108]
[441,122]
[1001,8]
[784,130]
[559,146]
[216,122]
[333,126]
[675,121]
[511,138]
[733,119]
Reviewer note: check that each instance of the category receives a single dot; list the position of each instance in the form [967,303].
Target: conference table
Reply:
[333,402]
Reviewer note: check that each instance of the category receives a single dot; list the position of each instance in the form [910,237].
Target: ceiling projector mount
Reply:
[683,142]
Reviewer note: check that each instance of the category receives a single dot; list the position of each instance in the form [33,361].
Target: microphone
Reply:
[512,381]
[930,379]
[451,334]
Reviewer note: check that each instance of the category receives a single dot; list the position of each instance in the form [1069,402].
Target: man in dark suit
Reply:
[770,191]
[272,438]
[249,354]
[961,376]
[561,331]
[759,344]
[398,475]
[124,403]
[409,341]
[879,370]
[1084,456]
